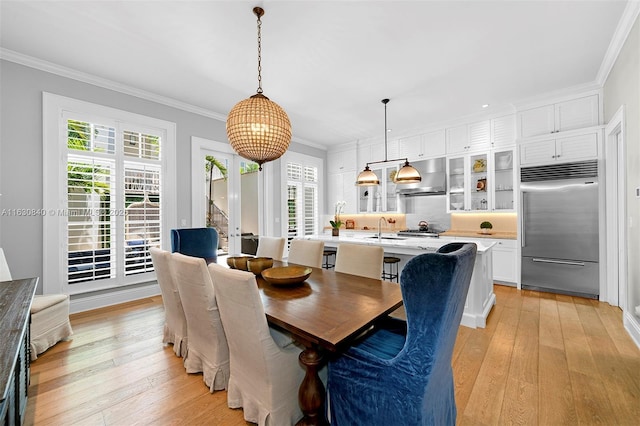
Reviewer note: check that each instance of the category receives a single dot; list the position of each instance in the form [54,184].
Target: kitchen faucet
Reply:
[380,227]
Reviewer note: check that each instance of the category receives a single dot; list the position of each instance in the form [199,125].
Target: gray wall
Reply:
[21,152]
[623,88]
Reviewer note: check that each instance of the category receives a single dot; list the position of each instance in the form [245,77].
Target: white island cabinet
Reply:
[480,298]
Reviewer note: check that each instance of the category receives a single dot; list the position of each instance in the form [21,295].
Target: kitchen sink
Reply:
[388,238]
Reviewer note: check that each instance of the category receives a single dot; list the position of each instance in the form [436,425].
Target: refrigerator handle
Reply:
[561,262]
[522,237]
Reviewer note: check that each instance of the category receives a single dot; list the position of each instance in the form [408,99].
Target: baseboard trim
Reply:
[632,325]
[88,303]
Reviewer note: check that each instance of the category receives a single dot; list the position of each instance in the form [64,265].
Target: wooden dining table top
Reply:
[329,308]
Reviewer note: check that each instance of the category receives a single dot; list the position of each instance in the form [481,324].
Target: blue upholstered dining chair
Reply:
[401,374]
[196,242]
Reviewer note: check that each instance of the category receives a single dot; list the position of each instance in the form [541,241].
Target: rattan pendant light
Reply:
[406,174]
[258,128]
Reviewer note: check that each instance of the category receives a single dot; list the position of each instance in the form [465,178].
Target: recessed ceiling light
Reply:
[485,106]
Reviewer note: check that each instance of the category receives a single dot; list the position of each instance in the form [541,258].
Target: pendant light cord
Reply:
[259,12]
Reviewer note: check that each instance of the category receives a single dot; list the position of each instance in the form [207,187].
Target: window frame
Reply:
[56,110]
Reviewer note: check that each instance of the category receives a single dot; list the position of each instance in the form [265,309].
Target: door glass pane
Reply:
[478,183]
[456,183]
[90,184]
[503,176]
[249,223]
[293,213]
[221,207]
[390,190]
[142,216]
[217,200]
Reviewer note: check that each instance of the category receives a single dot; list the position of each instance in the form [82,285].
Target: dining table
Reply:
[325,313]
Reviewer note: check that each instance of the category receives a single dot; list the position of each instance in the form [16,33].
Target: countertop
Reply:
[472,234]
[390,241]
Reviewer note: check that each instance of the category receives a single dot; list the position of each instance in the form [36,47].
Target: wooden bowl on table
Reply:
[230,260]
[286,275]
[240,262]
[259,264]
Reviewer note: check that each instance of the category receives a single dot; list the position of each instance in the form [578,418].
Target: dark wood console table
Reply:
[15,304]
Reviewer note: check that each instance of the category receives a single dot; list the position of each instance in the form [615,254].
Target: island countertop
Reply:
[393,243]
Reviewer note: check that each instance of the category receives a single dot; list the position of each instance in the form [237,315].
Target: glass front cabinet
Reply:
[481,182]
[468,183]
[380,198]
[457,183]
[503,186]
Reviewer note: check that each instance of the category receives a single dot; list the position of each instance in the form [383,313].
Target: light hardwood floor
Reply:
[543,359]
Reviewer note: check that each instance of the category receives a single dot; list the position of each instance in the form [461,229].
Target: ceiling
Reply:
[327,63]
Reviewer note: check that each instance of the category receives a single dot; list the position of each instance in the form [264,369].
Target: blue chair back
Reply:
[401,374]
[196,242]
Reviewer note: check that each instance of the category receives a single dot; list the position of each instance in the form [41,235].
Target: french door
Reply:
[225,195]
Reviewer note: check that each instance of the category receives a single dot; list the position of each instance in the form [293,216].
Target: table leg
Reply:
[311,394]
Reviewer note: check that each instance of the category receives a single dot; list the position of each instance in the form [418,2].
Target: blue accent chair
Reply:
[400,373]
[196,242]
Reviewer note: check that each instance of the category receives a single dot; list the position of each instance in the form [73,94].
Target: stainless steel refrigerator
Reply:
[560,241]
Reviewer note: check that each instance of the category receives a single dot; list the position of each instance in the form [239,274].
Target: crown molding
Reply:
[623,29]
[50,67]
[56,69]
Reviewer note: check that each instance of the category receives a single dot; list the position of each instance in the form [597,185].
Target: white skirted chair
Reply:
[359,259]
[207,351]
[49,316]
[271,247]
[175,322]
[306,252]
[265,371]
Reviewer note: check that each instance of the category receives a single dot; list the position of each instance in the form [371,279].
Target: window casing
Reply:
[108,195]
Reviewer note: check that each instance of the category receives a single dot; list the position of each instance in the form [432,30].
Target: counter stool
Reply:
[327,254]
[389,274]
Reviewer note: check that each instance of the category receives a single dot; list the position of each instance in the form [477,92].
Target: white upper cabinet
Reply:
[559,117]
[457,139]
[469,137]
[503,131]
[434,145]
[577,114]
[536,121]
[418,147]
[341,187]
[576,148]
[369,153]
[341,161]
[480,135]
[410,147]
[566,149]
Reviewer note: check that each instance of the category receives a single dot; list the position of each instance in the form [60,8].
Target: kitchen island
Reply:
[480,299]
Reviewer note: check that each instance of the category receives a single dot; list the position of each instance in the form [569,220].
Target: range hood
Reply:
[434,179]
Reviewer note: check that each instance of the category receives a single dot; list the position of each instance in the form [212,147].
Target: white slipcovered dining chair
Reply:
[306,252]
[359,259]
[207,351]
[271,247]
[49,316]
[175,322]
[265,371]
